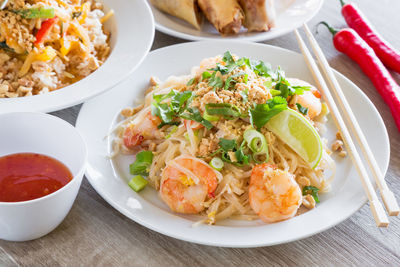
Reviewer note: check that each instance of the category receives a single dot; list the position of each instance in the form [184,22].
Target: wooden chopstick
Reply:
[388,197]
[376,207]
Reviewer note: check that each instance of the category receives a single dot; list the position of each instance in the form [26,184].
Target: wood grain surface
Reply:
[95,234]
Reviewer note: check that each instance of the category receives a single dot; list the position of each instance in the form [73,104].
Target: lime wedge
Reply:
[298,133]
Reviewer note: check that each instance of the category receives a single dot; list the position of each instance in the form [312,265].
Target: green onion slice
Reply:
[142,164]
[258,145]
[217,163]
[137,183]
[223,109]
[274,92]
[209,117]
[36,13]
[173,130]
[261,157]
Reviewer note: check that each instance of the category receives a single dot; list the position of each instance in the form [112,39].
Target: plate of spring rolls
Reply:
[249,20]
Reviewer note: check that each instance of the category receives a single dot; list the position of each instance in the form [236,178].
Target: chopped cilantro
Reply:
[163,111]
[193,114]
[227,144]
[167,112]
[205,75]
[284,89]
[76,14]
[262,113]
[230,81]
[220,68]
[231,146]
[5,47]
[288,90]
[215,81]
[302,109]
[262,69]
[228,58]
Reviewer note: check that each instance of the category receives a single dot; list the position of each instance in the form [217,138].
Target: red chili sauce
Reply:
[27,176]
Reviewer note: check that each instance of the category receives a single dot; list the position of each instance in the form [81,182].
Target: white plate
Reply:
[291,14]
[132,33]
[109,178]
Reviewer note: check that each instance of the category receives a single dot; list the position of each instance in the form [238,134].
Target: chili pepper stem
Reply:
[342,2]
[331,29]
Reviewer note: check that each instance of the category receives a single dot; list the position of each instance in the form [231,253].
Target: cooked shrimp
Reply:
[147,129]
[186,183]
[309,99]
[274,194]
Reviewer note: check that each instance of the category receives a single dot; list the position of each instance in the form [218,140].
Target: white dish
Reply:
[132,33]
[109,178]
[51,136]
[291,14]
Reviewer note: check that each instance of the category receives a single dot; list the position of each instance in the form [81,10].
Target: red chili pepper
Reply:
[349,42]
[357,21]
[45,29]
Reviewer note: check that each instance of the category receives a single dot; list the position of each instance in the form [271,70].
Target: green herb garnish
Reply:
[228,111]
[36,13]
[167,112]
[205,75]
[287,90]
[215,81]
[230,81]
[312,190]
[257,143]
[228,147]
[142,164]
[137,183]
[262,113]
[303,110]
[5,47]
[193,114]
[228,58]
[76,15]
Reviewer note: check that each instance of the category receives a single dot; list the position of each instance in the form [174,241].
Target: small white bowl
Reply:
[28,132]
[132,33]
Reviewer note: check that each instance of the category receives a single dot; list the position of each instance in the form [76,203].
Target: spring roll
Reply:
[184,9]
[259,14]
[226,15]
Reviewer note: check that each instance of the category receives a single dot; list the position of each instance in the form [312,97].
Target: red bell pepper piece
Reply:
[45,29]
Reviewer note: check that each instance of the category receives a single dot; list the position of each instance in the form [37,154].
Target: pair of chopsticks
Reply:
[388,197]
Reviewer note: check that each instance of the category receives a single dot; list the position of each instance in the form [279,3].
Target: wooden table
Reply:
[96,234]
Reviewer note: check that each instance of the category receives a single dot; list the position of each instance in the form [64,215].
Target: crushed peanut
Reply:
[303,181]
[126,112]
[337,146]
[154,81]
[339,136]
[308,201]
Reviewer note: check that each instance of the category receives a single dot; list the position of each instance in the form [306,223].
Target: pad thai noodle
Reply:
[49,44]
[234,139]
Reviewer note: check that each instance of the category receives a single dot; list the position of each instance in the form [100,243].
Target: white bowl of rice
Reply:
[55,53]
